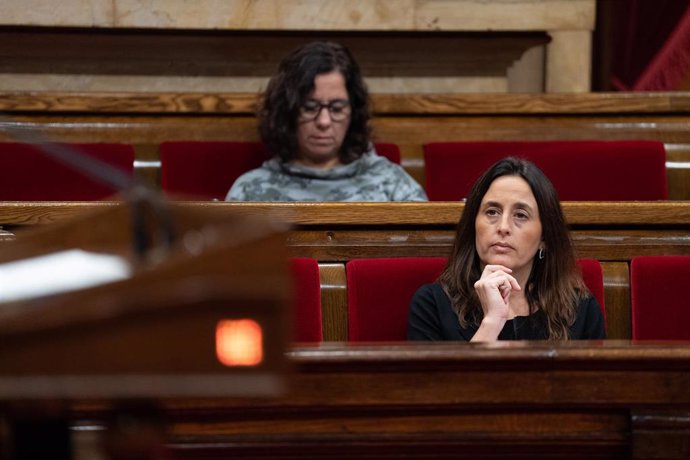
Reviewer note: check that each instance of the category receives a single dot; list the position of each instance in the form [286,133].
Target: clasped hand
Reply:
[493,289]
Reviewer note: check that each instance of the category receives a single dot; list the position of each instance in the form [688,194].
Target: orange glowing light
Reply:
[239,342]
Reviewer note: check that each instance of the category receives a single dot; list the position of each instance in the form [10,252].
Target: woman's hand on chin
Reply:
[494,289]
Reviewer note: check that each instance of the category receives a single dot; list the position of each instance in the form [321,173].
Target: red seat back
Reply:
[390,151]
[307,300]
[660,308]
[27,174]
[579,170]
[379,292]
[207,169]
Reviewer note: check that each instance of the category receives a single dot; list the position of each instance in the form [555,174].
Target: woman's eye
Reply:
[309,107]
[521,215]
[491,212]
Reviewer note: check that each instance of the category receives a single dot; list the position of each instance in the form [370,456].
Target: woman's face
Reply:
[323,122]
[508,226]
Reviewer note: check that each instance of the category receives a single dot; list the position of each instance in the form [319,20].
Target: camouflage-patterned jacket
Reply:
[369,178]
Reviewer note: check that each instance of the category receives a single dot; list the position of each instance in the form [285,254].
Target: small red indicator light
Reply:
[239,342]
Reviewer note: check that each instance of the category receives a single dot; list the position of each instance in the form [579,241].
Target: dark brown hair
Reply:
[289,88]
[554,285]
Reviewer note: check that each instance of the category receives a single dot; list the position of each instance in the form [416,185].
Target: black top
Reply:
[431,317]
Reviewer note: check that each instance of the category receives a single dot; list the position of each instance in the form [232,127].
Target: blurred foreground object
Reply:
[196,307]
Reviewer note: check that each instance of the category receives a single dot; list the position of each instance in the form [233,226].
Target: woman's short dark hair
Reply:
[289,88]
[554,285]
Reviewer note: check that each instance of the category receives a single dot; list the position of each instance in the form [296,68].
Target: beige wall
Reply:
[427,46]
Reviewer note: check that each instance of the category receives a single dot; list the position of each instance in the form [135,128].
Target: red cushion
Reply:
[390,151]
[379,292]
[580,170]
[307,300]
[206,169]
[27,174]
[660,307]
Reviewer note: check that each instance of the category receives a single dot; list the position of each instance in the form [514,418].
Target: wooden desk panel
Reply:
[508,400]
[608,231]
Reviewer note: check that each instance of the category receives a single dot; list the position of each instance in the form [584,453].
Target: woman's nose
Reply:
[323,118]
[504,224]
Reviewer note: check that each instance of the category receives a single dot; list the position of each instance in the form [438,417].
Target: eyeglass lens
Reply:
[337,109]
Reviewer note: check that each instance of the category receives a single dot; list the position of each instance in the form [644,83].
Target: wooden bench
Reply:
[333,233]
[409,120]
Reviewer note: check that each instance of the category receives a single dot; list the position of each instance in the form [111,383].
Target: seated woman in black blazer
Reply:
[512,274]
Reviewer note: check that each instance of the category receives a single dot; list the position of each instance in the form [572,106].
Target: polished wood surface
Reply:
[509,400]
[617,299]
[334,318]
[579,214]
[408,104]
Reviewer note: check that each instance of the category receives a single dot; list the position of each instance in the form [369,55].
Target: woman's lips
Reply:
[502,247]
[322,140]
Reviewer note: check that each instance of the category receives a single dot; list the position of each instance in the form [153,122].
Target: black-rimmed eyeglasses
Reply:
[338,109]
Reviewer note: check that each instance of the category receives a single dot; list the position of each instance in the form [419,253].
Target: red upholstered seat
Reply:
[307,300]
[28,174]
[580,170]
[660,307]
[379,292]
[207,169]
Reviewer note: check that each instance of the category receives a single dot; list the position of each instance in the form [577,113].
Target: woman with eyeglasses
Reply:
[314,120]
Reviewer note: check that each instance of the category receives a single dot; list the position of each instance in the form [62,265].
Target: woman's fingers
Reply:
[488,269]
[496,275]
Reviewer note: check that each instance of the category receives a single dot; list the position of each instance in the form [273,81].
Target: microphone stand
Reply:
[136,194]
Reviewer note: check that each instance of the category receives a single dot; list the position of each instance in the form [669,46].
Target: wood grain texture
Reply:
[580,215]
[128,102]
[408,104]
[506,400]
[617,300]
[333,301]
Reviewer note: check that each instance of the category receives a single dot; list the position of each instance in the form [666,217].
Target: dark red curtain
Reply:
[650,48]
